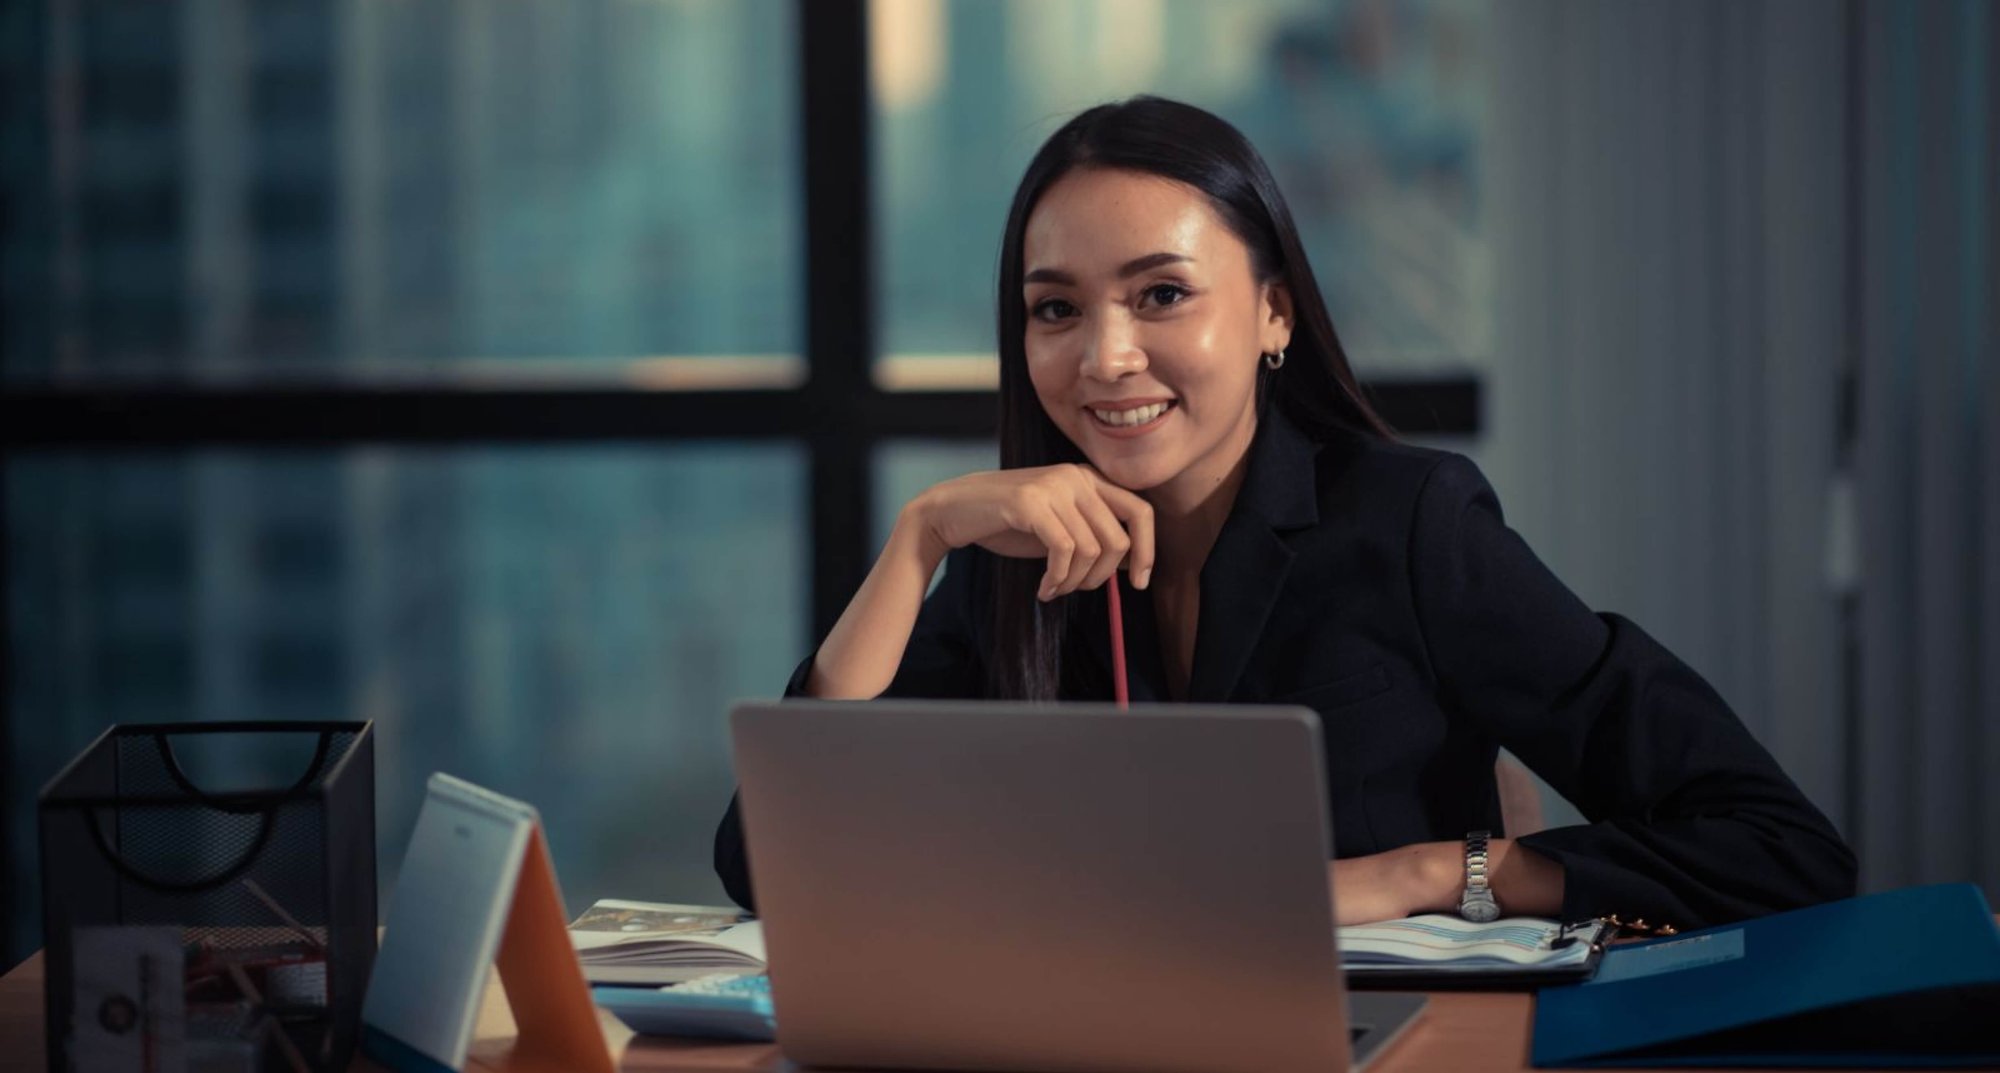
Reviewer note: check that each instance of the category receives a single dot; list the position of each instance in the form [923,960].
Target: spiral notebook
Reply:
[1435,951]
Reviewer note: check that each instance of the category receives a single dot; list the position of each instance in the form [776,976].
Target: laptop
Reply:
[1069,888]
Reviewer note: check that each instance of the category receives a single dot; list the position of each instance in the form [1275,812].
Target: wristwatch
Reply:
[1477,904]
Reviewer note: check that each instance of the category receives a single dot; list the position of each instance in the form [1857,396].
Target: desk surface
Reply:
[1459,1033]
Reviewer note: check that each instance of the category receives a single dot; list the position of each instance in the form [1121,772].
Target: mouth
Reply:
[1131,418]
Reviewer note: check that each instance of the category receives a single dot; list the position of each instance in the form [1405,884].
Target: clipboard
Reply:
[1416,979]
[478,890]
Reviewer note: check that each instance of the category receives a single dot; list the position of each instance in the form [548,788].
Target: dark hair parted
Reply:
[1315,386]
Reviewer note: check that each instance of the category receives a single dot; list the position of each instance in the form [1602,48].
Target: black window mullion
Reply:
[10,902]
[27,297]
[178,416]
[838,282]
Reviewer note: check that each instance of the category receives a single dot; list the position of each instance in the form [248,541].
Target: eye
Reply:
[1051,309]
[1165,294]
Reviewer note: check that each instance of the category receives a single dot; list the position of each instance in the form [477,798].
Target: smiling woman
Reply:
[1175,403]
[1211,284]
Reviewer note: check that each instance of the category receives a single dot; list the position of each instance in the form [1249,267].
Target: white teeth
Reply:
[1128,418]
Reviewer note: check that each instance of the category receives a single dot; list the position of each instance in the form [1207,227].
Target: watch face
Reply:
[1479,911]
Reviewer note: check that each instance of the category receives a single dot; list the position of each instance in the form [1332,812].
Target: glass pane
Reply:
[905,467]
[565,625]
[541,187]
[1369,113]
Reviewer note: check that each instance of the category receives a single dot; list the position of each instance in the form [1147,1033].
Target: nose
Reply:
[1113,350]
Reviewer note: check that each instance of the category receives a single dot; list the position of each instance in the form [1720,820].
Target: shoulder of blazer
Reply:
[1383,477]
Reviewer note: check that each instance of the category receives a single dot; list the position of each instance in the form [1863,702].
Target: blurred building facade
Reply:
[247,193]
[1727,270]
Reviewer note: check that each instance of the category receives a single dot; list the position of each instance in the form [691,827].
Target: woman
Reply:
[1174,402]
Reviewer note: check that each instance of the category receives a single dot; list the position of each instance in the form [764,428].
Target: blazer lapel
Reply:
[1246,570]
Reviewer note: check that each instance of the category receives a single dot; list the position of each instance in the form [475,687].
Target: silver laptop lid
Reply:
[1070,887]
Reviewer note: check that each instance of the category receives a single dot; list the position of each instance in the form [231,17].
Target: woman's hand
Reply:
[1429,877]
[1085,525]
[1389,886]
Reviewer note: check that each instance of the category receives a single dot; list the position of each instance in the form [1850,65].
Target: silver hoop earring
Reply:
[1274,361]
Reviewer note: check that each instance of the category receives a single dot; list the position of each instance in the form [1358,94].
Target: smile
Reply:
[1135,417]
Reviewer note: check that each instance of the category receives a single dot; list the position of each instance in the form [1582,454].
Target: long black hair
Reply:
[1315,386]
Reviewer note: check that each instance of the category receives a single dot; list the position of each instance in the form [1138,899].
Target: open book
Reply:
[647,943]
[1435,949]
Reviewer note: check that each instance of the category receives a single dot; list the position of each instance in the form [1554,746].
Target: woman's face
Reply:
[1145,327]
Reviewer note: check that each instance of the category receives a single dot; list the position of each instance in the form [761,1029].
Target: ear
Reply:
[1274,327]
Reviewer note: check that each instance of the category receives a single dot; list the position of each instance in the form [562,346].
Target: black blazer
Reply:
[1377,583]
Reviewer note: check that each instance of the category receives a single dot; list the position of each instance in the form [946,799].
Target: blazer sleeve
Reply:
[941,662]
[1691,821]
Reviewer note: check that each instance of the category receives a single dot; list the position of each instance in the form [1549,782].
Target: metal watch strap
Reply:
[1478,903]
[1475,861]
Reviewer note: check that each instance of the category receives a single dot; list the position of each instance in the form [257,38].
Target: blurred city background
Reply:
[1721,274]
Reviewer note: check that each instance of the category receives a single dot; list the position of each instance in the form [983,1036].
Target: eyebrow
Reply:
[1125,271]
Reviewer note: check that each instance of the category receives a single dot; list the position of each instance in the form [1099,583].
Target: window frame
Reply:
[840,412]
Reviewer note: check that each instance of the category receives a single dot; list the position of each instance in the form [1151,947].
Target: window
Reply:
[422,189]
[568,625]
[504,373]
[1369,115]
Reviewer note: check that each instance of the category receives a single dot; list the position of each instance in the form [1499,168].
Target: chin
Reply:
[1134,474]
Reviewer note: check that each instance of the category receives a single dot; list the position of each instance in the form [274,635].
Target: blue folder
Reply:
[1906,977]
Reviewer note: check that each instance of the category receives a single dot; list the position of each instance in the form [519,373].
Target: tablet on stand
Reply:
[477,889]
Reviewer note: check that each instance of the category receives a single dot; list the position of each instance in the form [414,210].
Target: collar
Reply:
[1280,485]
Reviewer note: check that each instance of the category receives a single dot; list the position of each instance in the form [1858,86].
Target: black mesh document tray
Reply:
[209,889]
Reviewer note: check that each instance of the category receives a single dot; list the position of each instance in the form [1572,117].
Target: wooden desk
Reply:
[1459,1033]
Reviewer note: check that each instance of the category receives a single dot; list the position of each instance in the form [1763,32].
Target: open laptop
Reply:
[1073,887]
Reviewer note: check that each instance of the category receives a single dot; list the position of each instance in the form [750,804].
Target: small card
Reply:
[130,1011]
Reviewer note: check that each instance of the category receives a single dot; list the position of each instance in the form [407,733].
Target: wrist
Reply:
[1437,876]
[1525,882]
[916,539]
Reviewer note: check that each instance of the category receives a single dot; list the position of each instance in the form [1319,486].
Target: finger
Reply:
[1055,536]
[1088,548]
[1110,536]
[1136,516]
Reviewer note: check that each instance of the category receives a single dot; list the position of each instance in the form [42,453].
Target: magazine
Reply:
[655,944]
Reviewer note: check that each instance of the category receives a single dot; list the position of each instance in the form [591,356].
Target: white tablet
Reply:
[444,922]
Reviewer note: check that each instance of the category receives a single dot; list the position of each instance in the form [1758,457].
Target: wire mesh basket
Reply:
[208,894]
